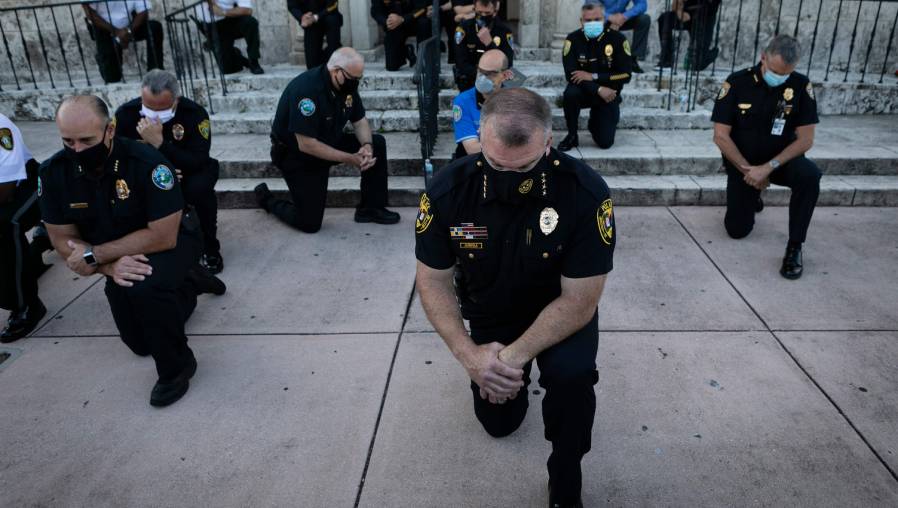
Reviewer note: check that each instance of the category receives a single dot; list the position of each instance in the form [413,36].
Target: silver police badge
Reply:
[548,220]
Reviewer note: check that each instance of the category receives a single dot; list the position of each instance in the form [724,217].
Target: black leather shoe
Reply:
[759,206]
[255,68]
[165,394]
[554,503]
[23,322]
[205,282]
[569,142]
[410,55]
[378,215]
[213,263]
[263,196]
[792,266]
[635,67]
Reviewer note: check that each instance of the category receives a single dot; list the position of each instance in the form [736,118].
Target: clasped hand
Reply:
[498,381]
[364,159]
[757,176]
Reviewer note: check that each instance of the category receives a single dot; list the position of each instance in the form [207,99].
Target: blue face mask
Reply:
[593,29]
[773,79]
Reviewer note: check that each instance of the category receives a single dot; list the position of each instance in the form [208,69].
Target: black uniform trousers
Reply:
[447,20]
[641,25]
[109,53]
[199,191]
[314,36]
[701,35]
[568,374]
[307,178]
[18,268]
[150,315]
[231,29]
[394,41]
[800,174]
[603,116]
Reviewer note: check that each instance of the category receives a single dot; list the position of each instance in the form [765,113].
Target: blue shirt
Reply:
[466,115]
[618,6]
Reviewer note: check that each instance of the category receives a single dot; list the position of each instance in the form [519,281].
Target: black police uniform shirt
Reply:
[514,245]
[187,137]
[311,107]
[137,186]
[607,58]
[751,107]
[410,10]
[469,47]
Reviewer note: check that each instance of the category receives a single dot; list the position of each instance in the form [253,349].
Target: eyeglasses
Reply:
[348,75]
[490,74]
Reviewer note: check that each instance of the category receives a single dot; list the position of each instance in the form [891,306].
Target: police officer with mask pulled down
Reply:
[492,72]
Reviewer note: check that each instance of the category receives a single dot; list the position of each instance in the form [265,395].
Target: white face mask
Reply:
[163,116]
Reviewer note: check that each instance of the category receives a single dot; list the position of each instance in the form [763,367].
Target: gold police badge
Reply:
[348,101]
[425,217]
[497,40]
[605,220]
[205,129]
[548,220]
[788,93]
[6,139]
[177,131]
[525,186]
[121,189]
[609,50]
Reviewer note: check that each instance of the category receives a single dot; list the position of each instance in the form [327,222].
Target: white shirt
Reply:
[13,152]
[119,13]
[202,10]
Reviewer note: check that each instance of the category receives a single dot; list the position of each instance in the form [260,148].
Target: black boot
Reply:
[571,141]
[377,215]
[204,282]
[23,322]
[555,503]
[255,68]
[213,262]
[792,266]
[169,392]
[263,196]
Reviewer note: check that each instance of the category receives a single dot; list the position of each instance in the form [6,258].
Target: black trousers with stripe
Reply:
[18,270]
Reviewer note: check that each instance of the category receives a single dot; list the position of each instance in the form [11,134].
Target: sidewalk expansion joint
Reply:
[37,330]
[794,358]
[383,399]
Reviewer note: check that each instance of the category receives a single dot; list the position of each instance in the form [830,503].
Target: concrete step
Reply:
[669,190]
[390,100]
[408,120]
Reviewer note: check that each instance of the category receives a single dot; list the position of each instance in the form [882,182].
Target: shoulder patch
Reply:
[810,90]
[627,46]
[163,178]
[6,140]
[567,47]
[605,220]
[459,35]
[307,107]
[724,90]
[456,113]
[425,215]
[509,38]
[205,129]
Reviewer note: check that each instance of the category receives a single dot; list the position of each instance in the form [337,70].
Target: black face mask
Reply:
[512,186]
[350,85]
[483,21]
[89,158]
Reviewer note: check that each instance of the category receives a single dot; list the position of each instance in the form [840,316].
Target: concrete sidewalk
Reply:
[321,383]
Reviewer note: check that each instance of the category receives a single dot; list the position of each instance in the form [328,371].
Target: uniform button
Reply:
[545,255]
[557,163]
[470,255]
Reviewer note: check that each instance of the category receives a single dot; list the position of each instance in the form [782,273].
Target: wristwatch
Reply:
[774,164]
[89,257]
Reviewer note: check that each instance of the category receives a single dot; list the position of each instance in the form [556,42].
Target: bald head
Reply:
[493,60]
[83,121]
[347,59]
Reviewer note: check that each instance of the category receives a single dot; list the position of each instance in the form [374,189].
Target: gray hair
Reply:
[158,81]
[93,102]
[344,57]
[520,113]
[786,46]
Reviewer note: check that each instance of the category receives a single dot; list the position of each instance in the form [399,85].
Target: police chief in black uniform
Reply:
[401,19]
[475,36]
[764,120]
[19,212]
[307,139]
[532,233]
[320,20]
[180,129]
[597,65]
[113,206]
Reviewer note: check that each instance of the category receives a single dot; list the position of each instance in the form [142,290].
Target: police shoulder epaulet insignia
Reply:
[605,220]
[724,90]
[425,215]
[497,40]
[456,113]
[609,50]
[177,131]
[459,35]
[627,46]
[205,129]
[163,178]
[6,140]
[307,107]
[567,47]
[810,90]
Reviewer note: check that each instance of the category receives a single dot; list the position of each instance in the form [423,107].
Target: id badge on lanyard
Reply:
[779,124]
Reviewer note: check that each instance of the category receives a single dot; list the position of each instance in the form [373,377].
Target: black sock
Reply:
[793,245]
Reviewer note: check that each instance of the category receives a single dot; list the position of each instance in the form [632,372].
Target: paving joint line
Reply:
[383,399]
[795,360]
[66,306]
[263,334]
